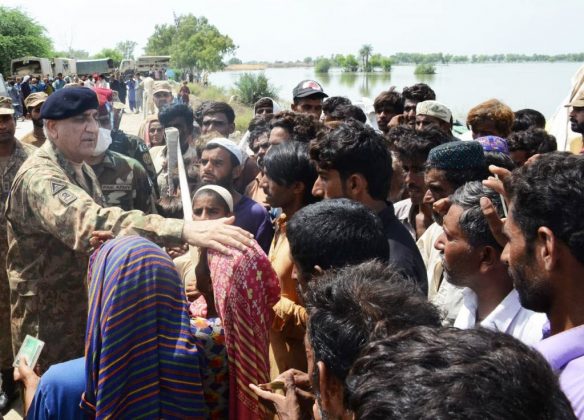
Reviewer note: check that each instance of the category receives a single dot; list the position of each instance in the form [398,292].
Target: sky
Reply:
[286,30]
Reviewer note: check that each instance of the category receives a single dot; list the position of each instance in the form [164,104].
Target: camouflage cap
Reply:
[161,86]
[35,99]
[6,106]
[434,109]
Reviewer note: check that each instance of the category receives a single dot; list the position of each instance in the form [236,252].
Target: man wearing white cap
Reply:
[221,164]
[433,114]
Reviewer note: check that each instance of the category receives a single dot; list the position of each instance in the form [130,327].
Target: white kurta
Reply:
[508,317]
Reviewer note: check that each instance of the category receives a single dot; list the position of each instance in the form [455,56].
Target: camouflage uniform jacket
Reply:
[19,155]
[50,221]
[124,182]
[134,147]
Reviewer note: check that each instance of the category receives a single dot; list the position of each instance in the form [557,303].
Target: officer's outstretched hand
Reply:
[216,234]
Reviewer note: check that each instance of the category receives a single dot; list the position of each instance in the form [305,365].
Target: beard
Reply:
[37,123]
[226,182]
[534,292]
[577,127]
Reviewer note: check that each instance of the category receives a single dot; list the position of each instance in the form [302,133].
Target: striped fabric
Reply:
[141,357]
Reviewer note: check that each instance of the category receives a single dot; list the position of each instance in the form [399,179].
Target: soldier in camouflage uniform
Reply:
[33,103]
[123,181]
[54,206]
[12,155]
[132,146]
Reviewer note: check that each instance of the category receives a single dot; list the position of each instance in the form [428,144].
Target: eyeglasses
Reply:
[156,130]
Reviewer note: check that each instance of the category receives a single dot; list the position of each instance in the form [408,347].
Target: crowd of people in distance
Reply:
[326,264]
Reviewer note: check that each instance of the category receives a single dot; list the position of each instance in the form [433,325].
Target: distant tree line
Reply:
[440,58]
[367,61]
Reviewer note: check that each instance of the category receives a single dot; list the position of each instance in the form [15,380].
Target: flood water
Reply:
[540,86]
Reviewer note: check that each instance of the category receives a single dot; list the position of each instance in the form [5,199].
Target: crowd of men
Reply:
[420,275]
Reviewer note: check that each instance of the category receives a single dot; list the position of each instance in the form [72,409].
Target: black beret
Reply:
[68,102]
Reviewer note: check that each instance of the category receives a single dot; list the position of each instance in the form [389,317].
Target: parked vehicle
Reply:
[144,64]
[65,66]
[34,66]
[99,66]
[41,67]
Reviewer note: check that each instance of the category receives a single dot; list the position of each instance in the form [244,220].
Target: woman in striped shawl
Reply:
[140,354]
[141,359]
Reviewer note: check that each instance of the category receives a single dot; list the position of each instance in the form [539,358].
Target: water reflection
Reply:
[367,84]
[323,78]
[540,86]
[347,79]
[425,78]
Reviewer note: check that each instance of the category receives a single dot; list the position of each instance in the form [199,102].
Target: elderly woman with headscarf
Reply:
[234,296]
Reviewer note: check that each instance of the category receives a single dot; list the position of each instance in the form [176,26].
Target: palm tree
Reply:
[365,53]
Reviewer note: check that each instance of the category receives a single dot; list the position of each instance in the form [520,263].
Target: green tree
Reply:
[338,60]
[234,60]
[192,42]
[20,35]
[161,40]
[307,60]
[425,69]
[351,64]
[386,64]
[112,53]
[365,53]
[375,61]
[322,65]
[251,87]
[126,48]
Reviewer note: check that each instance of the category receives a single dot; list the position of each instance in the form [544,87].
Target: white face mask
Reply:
[104,139]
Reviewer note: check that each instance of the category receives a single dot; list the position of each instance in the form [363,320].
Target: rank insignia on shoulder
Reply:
[56,187]
[66,197]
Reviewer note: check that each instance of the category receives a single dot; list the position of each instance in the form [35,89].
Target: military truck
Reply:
[99,66]
[144,64]
[42,67]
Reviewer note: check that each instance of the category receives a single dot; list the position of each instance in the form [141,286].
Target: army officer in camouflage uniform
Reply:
[55,204]
[123,180]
